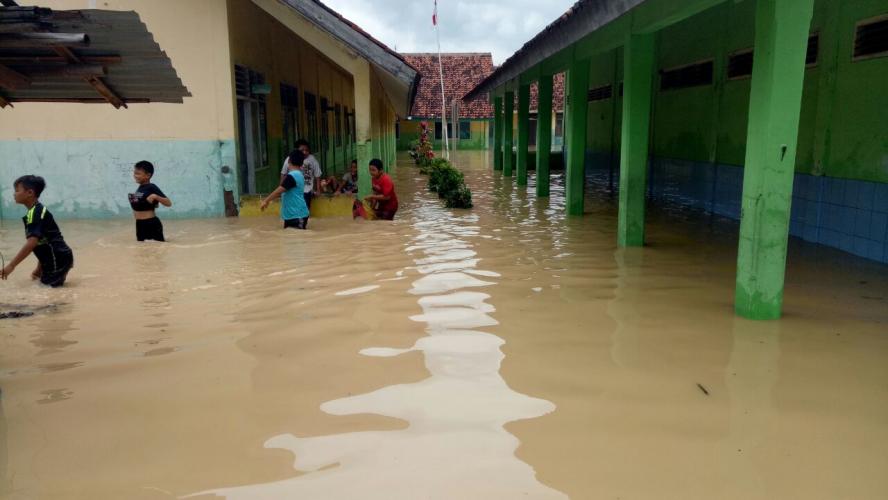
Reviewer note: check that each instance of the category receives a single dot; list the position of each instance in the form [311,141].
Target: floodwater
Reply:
[499,353]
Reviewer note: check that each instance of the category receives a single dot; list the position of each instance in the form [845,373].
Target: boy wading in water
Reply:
[44,238]
[294,210]
[311,171]
[144,201]
[384,199]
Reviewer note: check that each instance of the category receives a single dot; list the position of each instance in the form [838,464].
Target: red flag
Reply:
[435,14]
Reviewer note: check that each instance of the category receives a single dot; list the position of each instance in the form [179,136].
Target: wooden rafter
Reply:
[96,82]
[11,79]
[36,40]
[106,92]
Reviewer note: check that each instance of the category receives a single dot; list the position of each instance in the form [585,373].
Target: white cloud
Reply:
[497,26]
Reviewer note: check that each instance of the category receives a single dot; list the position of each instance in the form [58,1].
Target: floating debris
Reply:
[703,389]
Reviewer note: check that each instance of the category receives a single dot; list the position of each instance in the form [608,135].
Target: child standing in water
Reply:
[43,236]
[384,199]
[144,201]
[294,210]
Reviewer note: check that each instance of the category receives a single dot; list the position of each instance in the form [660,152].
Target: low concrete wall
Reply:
[91,179]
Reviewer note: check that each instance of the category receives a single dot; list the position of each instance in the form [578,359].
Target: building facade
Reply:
[262,73]
[765,111]
[462,71]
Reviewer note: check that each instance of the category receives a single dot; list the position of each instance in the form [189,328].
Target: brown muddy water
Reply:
[499,353]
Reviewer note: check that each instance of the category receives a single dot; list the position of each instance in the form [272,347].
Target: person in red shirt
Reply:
[384,200]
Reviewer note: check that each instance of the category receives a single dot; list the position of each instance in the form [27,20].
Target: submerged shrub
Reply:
[460,198]
[448,182]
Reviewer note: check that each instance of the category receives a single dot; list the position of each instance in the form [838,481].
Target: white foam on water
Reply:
[356,291]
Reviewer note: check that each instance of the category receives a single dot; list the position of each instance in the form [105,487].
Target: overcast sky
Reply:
[497,26]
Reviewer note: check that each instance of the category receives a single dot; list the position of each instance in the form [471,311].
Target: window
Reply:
[338,131]
[438,130]
[465,130]
[601,93]
[397,130]
[252,125]
[325,125]
[693,75]
[559,124]
[311,116]
[290,116]
[740,64]
[871,39]
[813,54]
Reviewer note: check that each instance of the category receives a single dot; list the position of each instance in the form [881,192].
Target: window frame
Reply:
[857,26]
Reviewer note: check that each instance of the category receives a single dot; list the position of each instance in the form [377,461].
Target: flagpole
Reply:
[443,96]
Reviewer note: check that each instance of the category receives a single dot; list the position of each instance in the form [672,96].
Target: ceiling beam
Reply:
[11,79]
[66,71]
[32,40]
[37,60]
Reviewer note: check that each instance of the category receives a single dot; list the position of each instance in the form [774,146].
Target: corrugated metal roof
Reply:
[143,74]
[584,17]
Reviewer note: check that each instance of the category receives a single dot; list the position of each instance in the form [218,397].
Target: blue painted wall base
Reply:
[91,179]
[847,214]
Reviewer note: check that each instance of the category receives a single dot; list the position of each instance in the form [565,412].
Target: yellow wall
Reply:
[262,43]
[194,35]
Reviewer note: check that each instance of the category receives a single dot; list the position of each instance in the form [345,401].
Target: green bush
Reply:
[460,198]
[448,182]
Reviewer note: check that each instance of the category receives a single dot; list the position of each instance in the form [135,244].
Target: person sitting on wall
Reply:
[384,201]
[294,211]
[349,182]
[311,171]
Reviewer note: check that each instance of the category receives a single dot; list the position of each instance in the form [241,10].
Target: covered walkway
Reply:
[670,89]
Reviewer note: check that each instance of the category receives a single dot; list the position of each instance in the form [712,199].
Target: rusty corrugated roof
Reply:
[139,70]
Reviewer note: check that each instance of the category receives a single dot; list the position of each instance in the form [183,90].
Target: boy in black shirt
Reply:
[44,239]
[144,201]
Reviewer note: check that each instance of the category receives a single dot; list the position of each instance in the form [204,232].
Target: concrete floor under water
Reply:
[504,352]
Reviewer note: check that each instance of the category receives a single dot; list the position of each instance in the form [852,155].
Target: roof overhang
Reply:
[86,56]
[397,76]
[585,17]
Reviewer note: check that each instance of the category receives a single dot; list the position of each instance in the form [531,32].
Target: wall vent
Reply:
[694,75]
[601,93]
[871,39]
[740,64]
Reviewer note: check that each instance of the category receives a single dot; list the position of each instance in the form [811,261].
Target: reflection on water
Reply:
[504,352]
[455,445]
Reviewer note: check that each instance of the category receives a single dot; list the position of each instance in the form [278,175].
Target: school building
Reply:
[461,73]
[771,112]
[261,74]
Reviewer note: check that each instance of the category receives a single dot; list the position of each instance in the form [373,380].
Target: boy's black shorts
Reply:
[55,273]
[301,223]
[149,229]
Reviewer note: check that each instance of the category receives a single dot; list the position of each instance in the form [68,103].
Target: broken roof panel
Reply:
[83,56]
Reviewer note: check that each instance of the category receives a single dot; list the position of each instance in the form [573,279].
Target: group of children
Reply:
[300,179]
[44,239]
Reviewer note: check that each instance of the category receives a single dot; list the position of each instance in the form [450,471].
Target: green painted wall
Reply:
[843,131]
[410,133]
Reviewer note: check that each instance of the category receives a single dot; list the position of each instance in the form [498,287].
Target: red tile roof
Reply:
[461,73]
[557,94]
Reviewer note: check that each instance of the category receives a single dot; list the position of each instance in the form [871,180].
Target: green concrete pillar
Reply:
[544,134]
[508,117]
[637,86]
[523,133]
[365,154]
[781,41]
[575,134]
[497,133]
